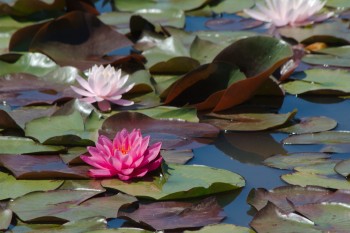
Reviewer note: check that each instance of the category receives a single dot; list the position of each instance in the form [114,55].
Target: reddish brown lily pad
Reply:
[172,133]
[72,39]
[175,215]
[25,89]
[41,167]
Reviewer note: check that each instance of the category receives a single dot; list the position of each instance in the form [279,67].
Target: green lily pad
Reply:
[177,156]
[122,230]
[205,55]
[335,32]
[166,17]
[343,168]
[222,228]
[328,137]
[320,81]
[304,179]
[68,205]
[249,121]
[320,169]
[125,5]
[326,60]
[83,225]
[310,125]
[73,155]
[336,148]
[21,187]
[289,161]
[184,181]
[66,129]
[231,7]
[20,145]
[338,3]
[31,63]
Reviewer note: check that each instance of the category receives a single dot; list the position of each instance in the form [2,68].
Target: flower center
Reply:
[123,149]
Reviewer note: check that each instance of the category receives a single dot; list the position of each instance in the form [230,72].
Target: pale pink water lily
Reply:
[127,156]
[104,85]
[288,12]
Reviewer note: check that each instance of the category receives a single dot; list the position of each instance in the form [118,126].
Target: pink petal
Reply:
[83,83]
[100,173]
[123,102]
[82,92]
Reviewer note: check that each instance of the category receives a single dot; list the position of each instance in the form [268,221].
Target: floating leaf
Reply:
[24,8]
[177,156]
[338,3]
[172,133]
[66,129]
[320,81]
[20,145]
[333,32]
[21,187]
[67,38]
[304,179]
[328,137]
[289,161]
[336,148]
[320,169]
[184,181]
[281,196]
[272,219]
[232,6]
[176,215]
[83,225]
[219,85]
[327,216]
[41,167]
[125,5]
[122,230]
[165,17]
[249,121]
[73,155]
[343,168]
[222,228]
[310,125]
[67,205]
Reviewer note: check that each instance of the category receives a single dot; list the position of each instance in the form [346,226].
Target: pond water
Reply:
[245,157]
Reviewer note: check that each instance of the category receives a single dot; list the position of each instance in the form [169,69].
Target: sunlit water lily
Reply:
[288,12]
[127,156]
[104,85]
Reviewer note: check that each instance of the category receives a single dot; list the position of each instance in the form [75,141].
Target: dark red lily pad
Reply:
[281,196]
[41,167]
[175,215]
[25,89]
[172,133]
[72,39]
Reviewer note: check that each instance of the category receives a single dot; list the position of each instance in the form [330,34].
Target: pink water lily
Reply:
[288,12]
[127,156]
[104,85]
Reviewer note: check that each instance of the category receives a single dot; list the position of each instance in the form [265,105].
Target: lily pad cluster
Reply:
[190,87]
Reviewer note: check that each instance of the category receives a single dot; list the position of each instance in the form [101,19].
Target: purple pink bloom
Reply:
[127,156]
